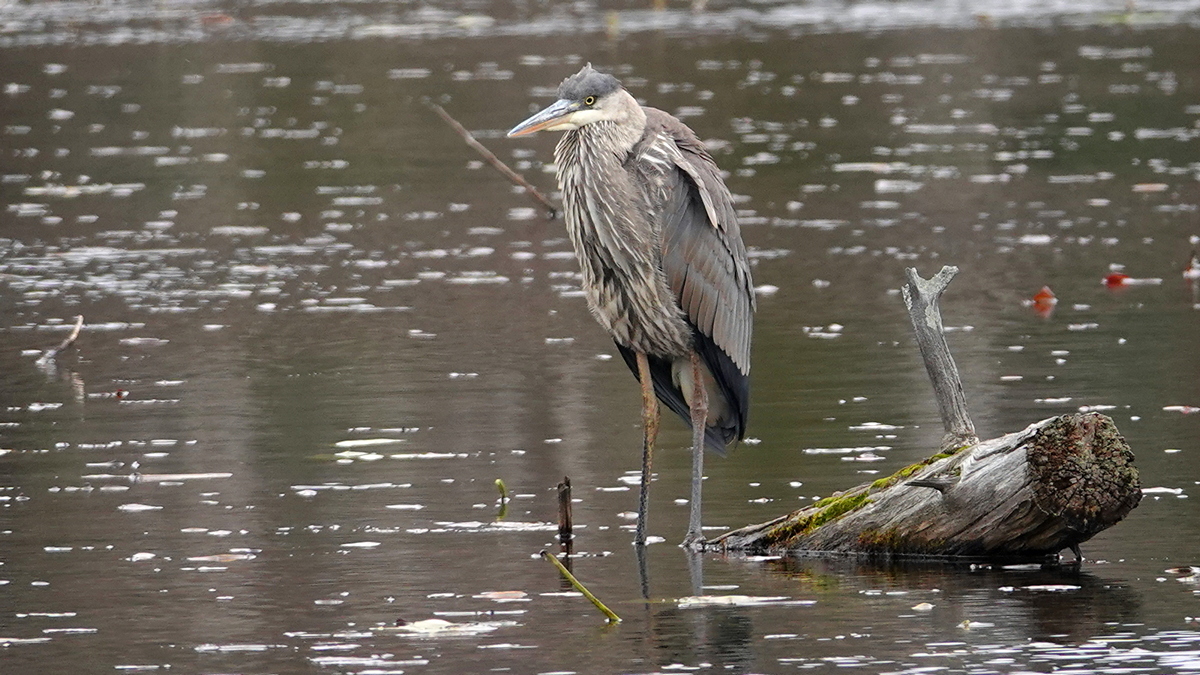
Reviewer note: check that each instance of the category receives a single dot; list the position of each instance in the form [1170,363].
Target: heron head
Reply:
[584,98]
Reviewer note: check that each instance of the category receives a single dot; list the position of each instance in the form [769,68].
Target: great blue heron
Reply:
[664,266]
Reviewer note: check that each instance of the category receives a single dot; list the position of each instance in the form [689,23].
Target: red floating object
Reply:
[1043,302]
[1116,279]
[1192,271]
[1045,297]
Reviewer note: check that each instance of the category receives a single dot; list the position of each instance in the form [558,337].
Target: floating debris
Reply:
[1162,491]
[367,442]
[444,628]
[1120,280]
[1043,302]
[138,508]
[504,596]
[222,557]
[172,477]
[497,526]
[1185,409]
[15,641]
[697,601]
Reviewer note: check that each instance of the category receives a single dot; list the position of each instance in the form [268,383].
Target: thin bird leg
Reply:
[649,435]
[699,409]
[1078,554]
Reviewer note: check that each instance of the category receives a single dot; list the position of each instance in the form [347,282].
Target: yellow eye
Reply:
[589,101]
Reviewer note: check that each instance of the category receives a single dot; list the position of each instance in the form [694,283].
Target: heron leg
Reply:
[649,434]
[699,410]
[1078,554]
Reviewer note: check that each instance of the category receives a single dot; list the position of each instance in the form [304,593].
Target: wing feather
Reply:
[703,255]
[704,260]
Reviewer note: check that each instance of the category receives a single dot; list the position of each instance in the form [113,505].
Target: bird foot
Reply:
[694,541]
[1078,554]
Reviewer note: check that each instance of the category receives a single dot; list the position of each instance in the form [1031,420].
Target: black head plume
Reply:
[587,82]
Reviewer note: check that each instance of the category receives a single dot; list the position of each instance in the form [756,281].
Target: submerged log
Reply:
[1026,495]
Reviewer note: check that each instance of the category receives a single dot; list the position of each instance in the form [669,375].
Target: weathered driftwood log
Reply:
[1029,494]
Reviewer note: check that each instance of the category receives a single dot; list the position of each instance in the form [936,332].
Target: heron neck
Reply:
[615,136]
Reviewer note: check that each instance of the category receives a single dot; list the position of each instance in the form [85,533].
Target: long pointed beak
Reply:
[557,113]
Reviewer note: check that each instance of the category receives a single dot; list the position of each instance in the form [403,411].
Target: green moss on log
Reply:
[807,520]
[909,470]
[892,540]
[815,516]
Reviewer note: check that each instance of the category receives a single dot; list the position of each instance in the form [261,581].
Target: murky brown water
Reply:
[318,329]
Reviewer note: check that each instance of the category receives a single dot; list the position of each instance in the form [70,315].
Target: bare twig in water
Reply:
[565,525]
[612,617]
[551,209]
[50,355]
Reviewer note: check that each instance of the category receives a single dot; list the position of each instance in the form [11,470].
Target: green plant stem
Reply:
[612,617]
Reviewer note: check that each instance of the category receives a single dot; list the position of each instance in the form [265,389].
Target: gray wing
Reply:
[702,254]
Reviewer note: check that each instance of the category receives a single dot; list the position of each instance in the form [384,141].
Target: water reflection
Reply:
[318,330]
[1063,605]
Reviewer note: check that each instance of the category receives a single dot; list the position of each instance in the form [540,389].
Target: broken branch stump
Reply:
[565,521]
[921,297]
[51,354]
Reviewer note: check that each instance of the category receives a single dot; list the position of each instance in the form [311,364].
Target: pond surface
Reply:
[318,329]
